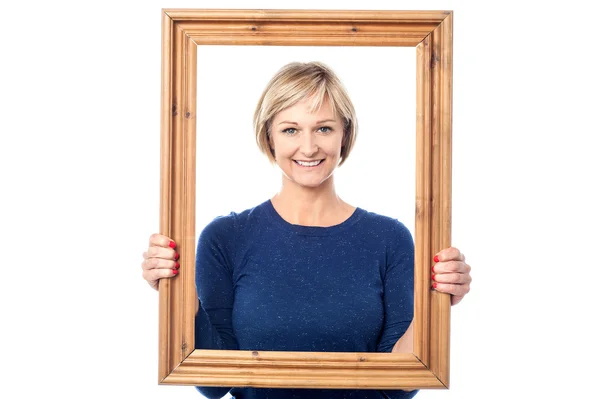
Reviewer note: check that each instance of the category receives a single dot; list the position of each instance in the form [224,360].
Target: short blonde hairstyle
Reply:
[296,82]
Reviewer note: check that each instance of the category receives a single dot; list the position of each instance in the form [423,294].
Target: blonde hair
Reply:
[298,81]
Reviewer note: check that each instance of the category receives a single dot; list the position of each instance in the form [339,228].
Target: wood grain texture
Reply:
[423,204]
[312,33]
[177,304]
[372,16]
[188,255]
[303,369]
[441,186]
[166,130]
[431,33]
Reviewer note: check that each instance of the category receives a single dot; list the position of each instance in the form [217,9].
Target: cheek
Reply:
[281,149]
[334,147]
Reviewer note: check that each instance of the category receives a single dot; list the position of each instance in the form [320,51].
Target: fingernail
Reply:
[432,269]
[176,265]
[434,285]
[175,271]
[172,244]
[433,277]
[176,256]
[436,259]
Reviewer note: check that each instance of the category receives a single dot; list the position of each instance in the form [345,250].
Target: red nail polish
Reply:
[175,271]
[432,269]
[172,244]
[176,265]
[434,285]
[436,259]
[176,256]
[433,277]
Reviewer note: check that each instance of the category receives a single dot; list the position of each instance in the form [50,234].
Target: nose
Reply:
[309,146]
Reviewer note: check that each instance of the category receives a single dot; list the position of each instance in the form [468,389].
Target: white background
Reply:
[79,161]
[232,174]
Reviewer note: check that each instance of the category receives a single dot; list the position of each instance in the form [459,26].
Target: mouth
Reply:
[309,164]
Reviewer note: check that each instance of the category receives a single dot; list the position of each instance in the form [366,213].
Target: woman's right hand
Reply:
[160,260]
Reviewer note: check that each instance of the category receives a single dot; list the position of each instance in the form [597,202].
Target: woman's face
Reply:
[307,145]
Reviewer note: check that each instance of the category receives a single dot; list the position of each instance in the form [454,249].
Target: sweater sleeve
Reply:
[398,296]
[214,284]
[398,288]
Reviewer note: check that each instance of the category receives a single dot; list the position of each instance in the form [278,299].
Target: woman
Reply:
[306,271]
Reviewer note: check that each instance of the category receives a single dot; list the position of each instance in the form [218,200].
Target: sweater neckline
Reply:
[310,230]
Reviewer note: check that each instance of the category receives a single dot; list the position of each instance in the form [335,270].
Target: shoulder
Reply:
[393,237]
[386,232]
[230,224]
[386,226]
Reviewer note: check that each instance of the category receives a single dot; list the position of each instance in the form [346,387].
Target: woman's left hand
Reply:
[451,274]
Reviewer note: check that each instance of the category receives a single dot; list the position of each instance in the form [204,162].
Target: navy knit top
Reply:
[266,284]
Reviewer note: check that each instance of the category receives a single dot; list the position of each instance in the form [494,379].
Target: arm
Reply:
[453,277]
[214,283]
[398,295]
[405,343]
[397,333]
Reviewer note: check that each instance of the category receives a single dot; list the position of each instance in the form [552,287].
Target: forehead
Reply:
[305,109]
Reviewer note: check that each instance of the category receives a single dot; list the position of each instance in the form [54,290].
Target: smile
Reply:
[311,164]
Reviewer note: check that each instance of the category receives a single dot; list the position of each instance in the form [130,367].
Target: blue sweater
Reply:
[266,284]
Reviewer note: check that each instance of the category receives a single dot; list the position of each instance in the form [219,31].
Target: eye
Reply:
[289,130]
[324,129]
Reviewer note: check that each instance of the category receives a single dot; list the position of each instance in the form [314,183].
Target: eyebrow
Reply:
[318,122]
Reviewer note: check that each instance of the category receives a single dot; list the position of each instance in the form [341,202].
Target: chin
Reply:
[310,184]
[299,179]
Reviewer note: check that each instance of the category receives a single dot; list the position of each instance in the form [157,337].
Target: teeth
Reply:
[314,163]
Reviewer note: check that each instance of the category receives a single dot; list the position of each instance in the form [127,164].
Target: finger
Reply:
[455,299]
[154,275]
[158,263]
[459,290]
[160,240]
[161,252]
[448,254]
[452,278]
[451,267]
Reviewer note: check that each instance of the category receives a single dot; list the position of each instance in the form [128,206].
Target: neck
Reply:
[319,206]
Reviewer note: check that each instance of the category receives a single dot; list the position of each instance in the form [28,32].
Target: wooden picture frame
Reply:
[431,33]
